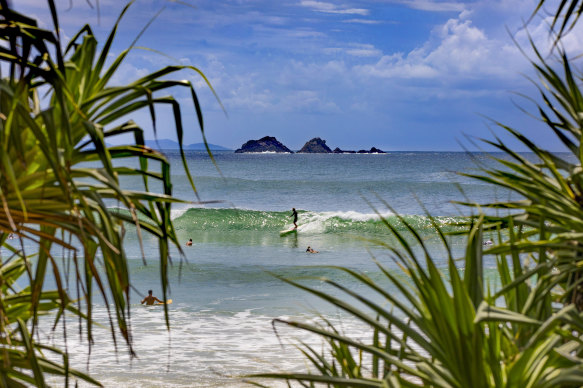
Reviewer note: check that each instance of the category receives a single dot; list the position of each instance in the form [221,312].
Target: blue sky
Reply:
[394,74]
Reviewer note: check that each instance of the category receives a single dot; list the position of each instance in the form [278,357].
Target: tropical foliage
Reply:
[59,179]
[566,14]
[458,328]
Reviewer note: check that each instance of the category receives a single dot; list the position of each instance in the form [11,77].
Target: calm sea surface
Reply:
[224,291]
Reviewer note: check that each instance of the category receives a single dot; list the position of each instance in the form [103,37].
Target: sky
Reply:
[398,75]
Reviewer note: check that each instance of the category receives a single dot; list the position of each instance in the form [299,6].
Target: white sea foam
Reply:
[319,222]
[356,216]
[175,213]
[202,349]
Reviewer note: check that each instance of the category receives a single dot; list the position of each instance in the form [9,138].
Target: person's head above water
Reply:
[150,292]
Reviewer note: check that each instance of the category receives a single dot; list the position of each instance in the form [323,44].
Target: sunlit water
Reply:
[226,291]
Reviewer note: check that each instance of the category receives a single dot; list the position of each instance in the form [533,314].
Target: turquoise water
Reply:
[224,289]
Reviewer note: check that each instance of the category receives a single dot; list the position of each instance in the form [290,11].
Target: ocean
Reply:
[225,290]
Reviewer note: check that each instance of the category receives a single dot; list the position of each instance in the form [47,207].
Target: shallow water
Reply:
[226,291]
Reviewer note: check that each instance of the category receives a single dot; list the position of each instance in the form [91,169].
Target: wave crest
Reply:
[202,219]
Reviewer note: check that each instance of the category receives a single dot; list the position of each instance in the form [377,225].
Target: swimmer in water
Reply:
[151,299]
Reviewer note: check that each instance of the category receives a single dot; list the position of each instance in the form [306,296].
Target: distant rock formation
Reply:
[315,146]
[265,144]
[373,150]
[339,151]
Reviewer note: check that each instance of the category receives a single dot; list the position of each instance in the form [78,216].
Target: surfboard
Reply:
[169,301]
[288,231]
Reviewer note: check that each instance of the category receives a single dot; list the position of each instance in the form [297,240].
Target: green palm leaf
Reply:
[50,197]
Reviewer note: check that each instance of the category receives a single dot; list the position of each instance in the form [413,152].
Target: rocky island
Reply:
[337,150]
[315,146]
[373,150]
[265,144]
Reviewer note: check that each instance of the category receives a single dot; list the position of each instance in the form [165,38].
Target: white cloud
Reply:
[545,42]
[464,48]
[308,101]
[333,50]
[296,89]
[456,49]
[356,50]
[321,6]
[303,75]
[397,66]
[71,15]
[127,73]
[364,50]
[360,106]
[246,96]
[434,6]
[363,21]
[303,33]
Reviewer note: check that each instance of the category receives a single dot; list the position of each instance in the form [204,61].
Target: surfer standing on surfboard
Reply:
[295,216]
[151,299]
